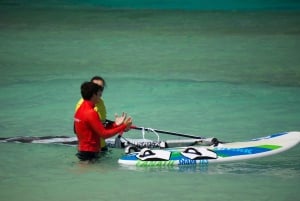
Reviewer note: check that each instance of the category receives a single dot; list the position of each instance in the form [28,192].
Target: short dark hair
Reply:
[99,78]
[88,89]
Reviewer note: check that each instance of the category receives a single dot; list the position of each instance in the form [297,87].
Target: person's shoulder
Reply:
[91,114]
[78,104]
[101,100]
[100,103]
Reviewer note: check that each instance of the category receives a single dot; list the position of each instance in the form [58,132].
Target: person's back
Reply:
[87,139]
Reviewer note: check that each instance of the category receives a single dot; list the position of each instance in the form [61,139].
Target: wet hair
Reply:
[88,89]
[99,78]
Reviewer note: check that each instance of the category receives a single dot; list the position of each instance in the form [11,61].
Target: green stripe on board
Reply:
[270,146]
[154,163]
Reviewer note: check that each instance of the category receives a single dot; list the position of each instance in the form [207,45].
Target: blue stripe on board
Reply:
[129,157]
[228,152]
[270,136]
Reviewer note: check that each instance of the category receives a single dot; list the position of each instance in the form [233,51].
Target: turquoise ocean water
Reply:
[227,72]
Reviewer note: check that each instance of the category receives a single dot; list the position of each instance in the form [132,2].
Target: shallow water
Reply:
[231,75]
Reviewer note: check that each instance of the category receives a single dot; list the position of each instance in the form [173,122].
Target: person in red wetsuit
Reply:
[89,127]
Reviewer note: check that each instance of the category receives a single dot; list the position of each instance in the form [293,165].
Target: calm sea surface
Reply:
[234,75]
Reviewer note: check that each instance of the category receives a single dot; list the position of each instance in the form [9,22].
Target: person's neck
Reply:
[90,102]
[94,99]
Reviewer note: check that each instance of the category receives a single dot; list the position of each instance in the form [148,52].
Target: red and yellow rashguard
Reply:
[101,110]
[89,128]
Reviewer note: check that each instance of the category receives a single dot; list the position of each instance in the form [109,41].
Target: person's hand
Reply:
[120,119]
[128,123]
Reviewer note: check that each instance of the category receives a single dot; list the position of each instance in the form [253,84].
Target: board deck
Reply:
[223,152]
